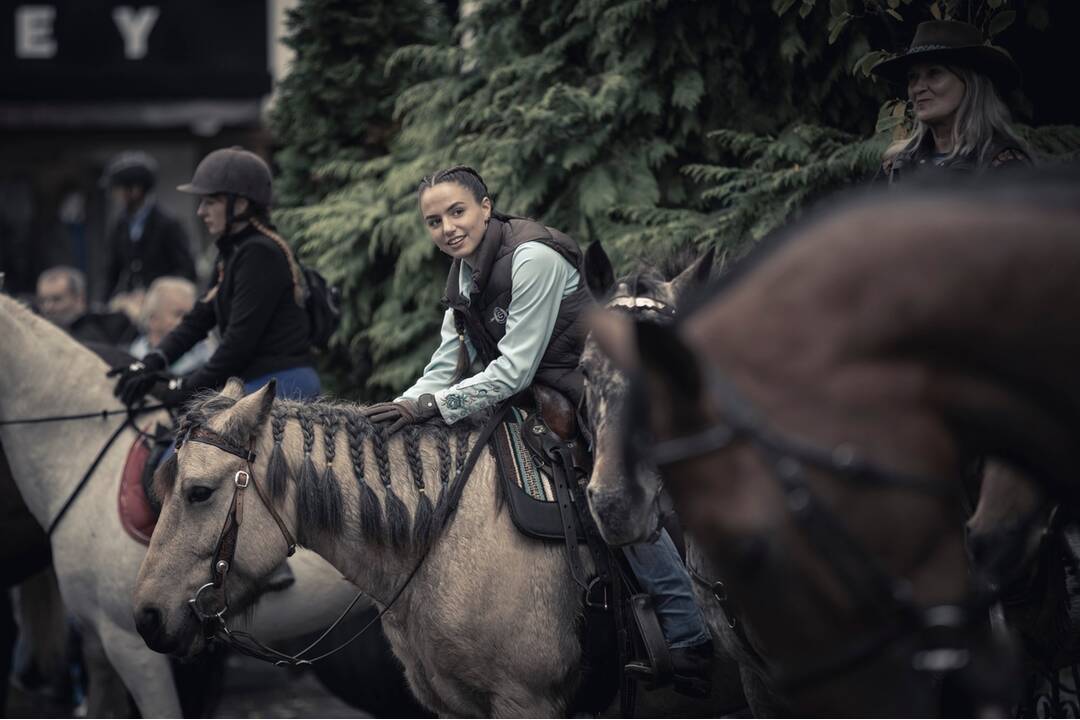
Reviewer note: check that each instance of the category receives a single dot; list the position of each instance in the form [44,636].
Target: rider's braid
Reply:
[422,522]
[397,515]
[277,472]
[317,503]
[299,286]
[357,427]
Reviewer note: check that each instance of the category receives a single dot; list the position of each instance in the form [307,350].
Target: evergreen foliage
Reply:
[654,125]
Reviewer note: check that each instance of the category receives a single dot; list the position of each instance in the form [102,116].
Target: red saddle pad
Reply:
[135,513]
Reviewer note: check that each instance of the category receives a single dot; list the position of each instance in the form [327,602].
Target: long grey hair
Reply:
[982,120]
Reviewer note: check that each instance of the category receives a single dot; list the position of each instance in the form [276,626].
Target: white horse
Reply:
[44,372]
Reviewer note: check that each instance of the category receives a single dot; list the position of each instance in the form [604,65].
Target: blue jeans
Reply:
[662,574]
[298,383]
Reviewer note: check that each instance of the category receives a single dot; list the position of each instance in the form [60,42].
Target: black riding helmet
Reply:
[130,169]
[233,172]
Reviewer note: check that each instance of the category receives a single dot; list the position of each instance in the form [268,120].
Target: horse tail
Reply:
[43,621]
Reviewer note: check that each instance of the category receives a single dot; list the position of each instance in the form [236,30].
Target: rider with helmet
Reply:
[146,243]
[256,299]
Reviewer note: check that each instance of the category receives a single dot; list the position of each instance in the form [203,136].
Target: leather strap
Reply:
[656,647]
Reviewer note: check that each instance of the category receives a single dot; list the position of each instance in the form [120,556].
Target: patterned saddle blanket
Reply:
[528,480]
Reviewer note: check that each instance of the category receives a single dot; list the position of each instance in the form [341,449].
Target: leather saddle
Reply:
[549,504]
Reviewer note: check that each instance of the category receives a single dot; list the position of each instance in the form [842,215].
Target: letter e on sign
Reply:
[135,26]
[34,32]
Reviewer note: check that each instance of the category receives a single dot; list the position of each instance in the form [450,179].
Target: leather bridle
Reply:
[221,562]
[225,550]
[942,630]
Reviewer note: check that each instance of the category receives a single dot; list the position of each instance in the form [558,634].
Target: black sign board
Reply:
[81,50]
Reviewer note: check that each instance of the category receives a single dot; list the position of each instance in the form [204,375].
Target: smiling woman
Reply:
[955,85]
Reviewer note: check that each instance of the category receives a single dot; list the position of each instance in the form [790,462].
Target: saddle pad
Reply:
[135,513]
[531,477]
[526,482]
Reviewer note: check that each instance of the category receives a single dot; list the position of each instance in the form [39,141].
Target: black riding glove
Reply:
[403,412]
[172,392]
[138,378]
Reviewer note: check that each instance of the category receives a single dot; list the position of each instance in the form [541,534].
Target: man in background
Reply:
[146,243]
[61,298]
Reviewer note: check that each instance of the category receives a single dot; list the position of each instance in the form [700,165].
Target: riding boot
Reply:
[692,670]
[281,578]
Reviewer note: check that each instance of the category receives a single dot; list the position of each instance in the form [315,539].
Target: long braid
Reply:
[277,471]
[442,445]
[329,421]
[397,515]
[299,284]
[318,503]
[371,523]
[423,520]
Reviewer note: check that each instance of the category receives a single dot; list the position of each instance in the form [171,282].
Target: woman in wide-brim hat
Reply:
[955,84]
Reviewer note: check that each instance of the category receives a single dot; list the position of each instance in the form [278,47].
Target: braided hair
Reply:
[463,175]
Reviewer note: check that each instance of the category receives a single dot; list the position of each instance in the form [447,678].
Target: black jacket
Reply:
[263,329]
[1003,154]
[163,249]
[483,315]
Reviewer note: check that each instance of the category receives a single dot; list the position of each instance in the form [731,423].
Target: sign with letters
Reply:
[82,50]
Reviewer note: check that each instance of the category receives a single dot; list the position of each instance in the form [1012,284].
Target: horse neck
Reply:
[47,373]
[355,495]
[907,283]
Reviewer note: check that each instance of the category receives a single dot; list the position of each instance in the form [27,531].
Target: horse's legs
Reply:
[106,695]
[146,674]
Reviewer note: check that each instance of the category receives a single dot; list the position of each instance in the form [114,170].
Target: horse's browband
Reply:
[204,435]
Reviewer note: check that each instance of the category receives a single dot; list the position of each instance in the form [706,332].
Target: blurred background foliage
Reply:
[656,126]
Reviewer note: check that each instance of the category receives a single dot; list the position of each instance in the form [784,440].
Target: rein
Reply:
[213,621]
[129,421]
[868,584]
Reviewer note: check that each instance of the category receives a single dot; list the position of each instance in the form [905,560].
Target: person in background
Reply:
[955,84]
[166,303]
[61,298]
[146,243]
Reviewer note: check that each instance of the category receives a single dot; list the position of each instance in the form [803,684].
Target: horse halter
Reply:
[868,584]
[225,550]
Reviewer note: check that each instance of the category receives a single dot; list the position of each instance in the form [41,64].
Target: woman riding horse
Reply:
[515,305]
[256,299]
[955,85]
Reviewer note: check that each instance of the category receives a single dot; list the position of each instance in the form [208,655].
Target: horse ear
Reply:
[234,388]
[695,276]
[249,413]
[599,273]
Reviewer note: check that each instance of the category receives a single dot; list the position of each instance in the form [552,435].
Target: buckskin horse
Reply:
[811,421]
[484,619]
[46,373]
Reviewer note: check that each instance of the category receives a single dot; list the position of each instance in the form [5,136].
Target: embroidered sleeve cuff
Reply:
[460,402]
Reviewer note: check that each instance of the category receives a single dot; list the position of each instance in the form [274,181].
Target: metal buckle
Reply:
[589,602]
[246,479]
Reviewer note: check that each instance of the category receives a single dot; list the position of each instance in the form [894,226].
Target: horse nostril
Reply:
[148,622]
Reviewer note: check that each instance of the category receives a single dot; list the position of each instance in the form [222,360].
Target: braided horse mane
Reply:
[381,516]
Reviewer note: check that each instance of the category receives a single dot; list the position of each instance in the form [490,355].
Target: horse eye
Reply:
[199,494]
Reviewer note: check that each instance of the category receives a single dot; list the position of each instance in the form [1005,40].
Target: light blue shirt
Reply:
[137,223]
[540,279]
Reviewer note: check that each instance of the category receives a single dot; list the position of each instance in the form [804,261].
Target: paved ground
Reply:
[252,690]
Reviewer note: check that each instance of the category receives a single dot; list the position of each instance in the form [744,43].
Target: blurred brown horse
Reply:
[813,419]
